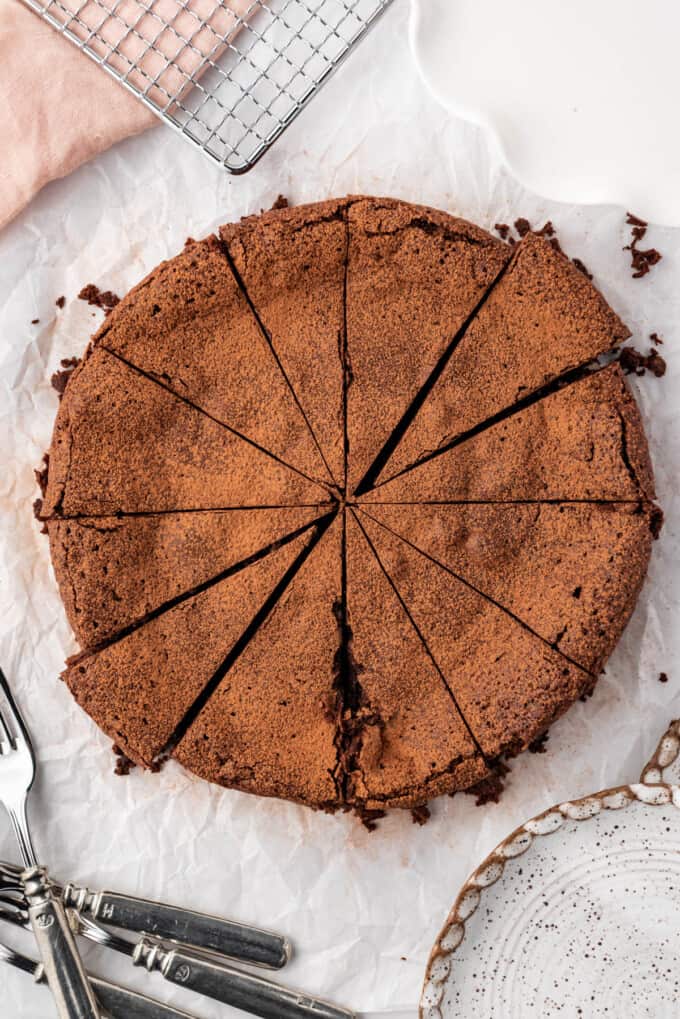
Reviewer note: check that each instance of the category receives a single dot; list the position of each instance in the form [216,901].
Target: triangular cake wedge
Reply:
[140,688]
[112,571]
[189,325]
[542,319]
[571,571]
[584,441]
[508,683]
[123,444]
[410,743]
[292,264]
[270,726]
[414,276]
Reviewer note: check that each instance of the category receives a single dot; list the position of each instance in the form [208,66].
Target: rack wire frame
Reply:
[229,75]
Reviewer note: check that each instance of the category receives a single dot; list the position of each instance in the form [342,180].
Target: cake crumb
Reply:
[123,763]
[369,818]
[490,789]
[35,321]
[656,339]
[421,815]
[582,268]
[641,259]
[503,230]
[104,299]
[41,473]
[663,677]
[633,362]
[538,746]
[656,521]
[60,379]
[280,203]
[522,226]
[60,301]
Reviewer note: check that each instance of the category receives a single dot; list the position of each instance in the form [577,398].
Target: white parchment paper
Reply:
[362,909]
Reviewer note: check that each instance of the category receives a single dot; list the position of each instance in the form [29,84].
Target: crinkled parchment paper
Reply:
[362,909]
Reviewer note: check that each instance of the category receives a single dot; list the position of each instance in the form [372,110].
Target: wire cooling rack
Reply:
[229,75]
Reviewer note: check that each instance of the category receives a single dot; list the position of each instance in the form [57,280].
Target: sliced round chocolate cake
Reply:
[344,504]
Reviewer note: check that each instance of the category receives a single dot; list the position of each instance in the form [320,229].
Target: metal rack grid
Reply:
[229,75]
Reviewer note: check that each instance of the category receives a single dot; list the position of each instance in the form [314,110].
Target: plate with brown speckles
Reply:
[574,914]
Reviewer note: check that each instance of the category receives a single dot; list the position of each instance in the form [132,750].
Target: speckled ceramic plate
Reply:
[577,913]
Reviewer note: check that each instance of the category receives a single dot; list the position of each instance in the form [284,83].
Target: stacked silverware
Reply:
[186,948]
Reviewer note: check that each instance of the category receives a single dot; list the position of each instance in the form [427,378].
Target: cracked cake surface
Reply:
[342,506]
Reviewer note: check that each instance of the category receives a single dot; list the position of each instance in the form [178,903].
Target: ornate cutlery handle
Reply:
[63,968]
[238,941]
[232,986]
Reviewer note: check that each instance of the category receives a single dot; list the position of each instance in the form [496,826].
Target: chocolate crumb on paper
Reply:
[60,378]
[641,259]
[582,268]
[539,745]
[490,789]
[421,815]
[656,339]
[280,203]
[35,321]
[123,763]
[503,230]
[633,362]
[663,677]
[104,299]
[60,301]
[522,226]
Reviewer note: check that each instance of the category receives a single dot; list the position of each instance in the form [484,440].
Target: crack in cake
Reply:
[342,506]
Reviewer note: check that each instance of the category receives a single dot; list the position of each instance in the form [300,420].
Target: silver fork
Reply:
[64,970]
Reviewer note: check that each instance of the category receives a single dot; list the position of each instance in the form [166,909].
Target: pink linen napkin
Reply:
[60,109]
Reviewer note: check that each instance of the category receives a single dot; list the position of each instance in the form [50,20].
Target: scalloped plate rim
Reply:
[648,207]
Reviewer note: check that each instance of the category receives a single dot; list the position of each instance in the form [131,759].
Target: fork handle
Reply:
[230,985]
[144,916]
[64,970]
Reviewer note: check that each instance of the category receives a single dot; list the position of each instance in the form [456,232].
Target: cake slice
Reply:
[112,571]
[140,688]
[584,441]
[543,318]
[123,444]
[571,572]
[508,683]
[270,726]
[292,265]
[188,325]
[406,740]
[414,275]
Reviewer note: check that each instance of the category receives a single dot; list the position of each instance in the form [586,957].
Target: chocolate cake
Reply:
[344,508]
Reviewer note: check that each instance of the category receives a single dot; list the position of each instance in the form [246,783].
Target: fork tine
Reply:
[11,720]
[6,743]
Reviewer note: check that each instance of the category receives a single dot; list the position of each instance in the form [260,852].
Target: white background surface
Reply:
[580,95]
[363,910]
